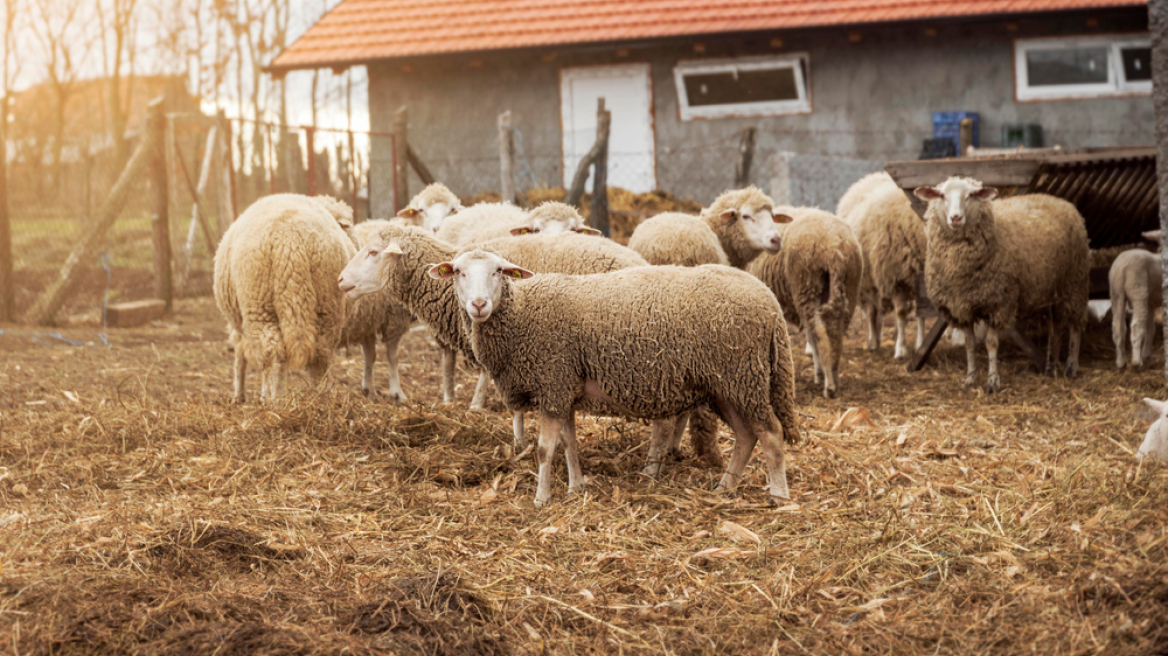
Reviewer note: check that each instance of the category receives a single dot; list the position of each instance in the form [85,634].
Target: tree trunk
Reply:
[1158,26]
[7,284]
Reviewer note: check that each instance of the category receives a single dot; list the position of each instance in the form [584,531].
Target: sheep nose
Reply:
[776,242]
[478,305]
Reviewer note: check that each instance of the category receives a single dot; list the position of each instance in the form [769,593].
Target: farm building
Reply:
[835,89]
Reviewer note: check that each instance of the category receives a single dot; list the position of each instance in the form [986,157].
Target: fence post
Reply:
[964,136]
[781,178]
[599,217]
[506,158]
[160,201]
[353,178]
[309,145]
[401,157]
[745,157]
[7,284]
[576,190]
[228,172]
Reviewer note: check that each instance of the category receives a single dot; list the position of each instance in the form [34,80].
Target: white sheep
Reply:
[816,278]
[998,260]
[275,283]
[1136,280]
[892,238]
[431,206]
[560,342]
[1155,444]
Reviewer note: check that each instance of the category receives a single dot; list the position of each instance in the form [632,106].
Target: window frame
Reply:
[797,61]
[1116,85]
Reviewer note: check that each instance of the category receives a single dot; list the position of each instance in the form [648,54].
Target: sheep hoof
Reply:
[397,396]
[1072,370]
[652,470]
[577,492]
[713,460]
[675,454]
[901,353]
[369,394]
[828,393]
[476,406]
[1049,370]
[971,380]
[994,384]
[778,497]
[541,504]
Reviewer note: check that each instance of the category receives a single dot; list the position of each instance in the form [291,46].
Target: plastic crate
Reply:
[938,148]
[947,125]
[1027,135]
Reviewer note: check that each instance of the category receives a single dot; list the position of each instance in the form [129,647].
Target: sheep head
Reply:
[754,212]
[368,271]
[1156,440]
[553,218]
[951,200]
[432,205]
[479,278]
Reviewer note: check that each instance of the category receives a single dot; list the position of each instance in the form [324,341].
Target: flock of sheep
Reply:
[685,325]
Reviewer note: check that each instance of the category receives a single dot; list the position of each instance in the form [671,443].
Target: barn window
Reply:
[1083,67]
[763,86]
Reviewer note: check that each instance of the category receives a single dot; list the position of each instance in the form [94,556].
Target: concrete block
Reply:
[134,313]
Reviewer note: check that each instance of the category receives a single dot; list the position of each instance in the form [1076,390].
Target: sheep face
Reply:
[758,225]
[553,218]
[432,216]
[1156,441]
[368,271]
[479,278]
[953,198]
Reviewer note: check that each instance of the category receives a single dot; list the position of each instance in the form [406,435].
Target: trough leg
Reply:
[926,349]
[549,435]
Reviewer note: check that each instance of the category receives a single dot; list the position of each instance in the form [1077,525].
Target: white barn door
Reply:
[627,93]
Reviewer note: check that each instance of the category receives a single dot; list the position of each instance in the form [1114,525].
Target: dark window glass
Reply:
[726,88]
[1071,66]
[1137,63]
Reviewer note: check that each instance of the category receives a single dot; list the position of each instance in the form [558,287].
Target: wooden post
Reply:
[964,136]
[223,169]
[401,157]
[576,191]
[229,153]
[45,309]
[160,210]
[198,209]
[310,146]
[745,157]
[1158,24]
[599,217]
[420,167]
[353,178]
[506,158]
[7,284]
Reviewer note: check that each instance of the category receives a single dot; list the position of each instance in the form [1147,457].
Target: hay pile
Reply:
[143,514]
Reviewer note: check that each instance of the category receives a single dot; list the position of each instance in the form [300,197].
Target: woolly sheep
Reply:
[741,223]
[432,205]
[1136,286]
[997,260]
[1155,444]
[275,283]
[816,277]
[892,239]
[377,317]
[558,342]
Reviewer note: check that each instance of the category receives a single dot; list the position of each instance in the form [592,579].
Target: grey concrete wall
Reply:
[872,100]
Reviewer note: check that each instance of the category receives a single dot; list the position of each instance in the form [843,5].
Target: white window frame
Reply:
[795,61]
[1116,84]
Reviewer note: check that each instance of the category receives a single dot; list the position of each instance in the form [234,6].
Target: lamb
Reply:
[817,273]
[1136,285]
[274,283]
[434,303]
[892,238]
[377,317]
[1155,444]
[559,342]
[996,260]
[433,204]
[739,222]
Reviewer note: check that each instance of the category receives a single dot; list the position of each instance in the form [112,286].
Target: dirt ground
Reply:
[142,513]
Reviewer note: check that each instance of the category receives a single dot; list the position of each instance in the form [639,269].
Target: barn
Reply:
[835,89]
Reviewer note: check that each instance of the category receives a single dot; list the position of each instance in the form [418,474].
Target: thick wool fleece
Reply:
[676,238]
[480,222]
[1018,255]
[275,280]
[892,238]
[739,251]
[658,340]
[1136,282]
[817,275]
[565,253]
[859,191]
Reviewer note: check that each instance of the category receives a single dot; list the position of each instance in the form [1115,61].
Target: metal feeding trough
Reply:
[1115,189]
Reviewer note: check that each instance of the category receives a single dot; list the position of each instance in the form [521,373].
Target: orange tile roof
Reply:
[357,31]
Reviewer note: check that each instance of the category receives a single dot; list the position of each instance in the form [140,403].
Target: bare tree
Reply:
[117,20]
[64,43]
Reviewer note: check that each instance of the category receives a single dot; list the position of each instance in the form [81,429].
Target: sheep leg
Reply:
[771,442]
[1139,324]
[993,381]
[240,375]
[392,342]
[825,356]
[369,351]
[480,393]
[1072,369]
[901,307]
[921,330]
[1149,335]
[572,456]
[1119,329]
[813,346]
[549,435]
[875,315]
[273,379]
[448,357]
[673,447]
[1054,346]
[517,429]
[744,440]
[970,357]
[662,432]
[703,436]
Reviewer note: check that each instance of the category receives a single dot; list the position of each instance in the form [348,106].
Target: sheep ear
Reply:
[928,193]
[393,249]
[521,231]
[517,272]
[442,271]
[408,213]
[985,194]
[729,215]
[1159,406]
[585,230]
[1152,236]
[782,218]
